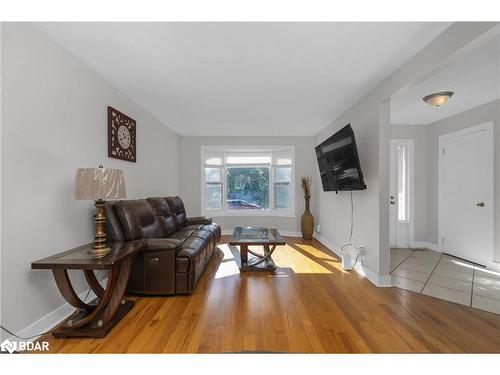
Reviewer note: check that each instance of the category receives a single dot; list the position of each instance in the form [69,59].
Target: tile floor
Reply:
[445,277]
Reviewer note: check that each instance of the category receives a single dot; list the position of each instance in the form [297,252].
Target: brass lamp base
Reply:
[100,249]
[99,253]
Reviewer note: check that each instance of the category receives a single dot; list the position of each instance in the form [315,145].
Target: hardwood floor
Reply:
[310,305]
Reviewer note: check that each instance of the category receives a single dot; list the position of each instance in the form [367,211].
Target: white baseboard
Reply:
[381,281]
[428,245]
[53,318]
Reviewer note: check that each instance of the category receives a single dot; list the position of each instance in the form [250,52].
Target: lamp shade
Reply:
[99,183]
[438,99]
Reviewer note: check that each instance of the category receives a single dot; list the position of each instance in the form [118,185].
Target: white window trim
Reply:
[290,212]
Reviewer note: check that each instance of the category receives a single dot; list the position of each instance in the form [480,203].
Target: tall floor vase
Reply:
[307,221]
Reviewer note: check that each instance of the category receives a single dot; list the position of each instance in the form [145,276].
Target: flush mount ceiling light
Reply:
[437,99]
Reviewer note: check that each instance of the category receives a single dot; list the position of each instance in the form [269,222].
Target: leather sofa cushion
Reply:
[191,247]
[192,227]
[158,244]
[177,207]
[215,229]
[205,235]
[163,214]
[181,234]
[138,219]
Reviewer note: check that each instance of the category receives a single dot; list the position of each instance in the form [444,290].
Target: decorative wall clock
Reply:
[121,136]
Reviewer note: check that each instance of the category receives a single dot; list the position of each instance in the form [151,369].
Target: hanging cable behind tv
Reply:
[346,258]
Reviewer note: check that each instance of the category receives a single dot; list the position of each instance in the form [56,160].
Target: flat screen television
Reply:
[339,162]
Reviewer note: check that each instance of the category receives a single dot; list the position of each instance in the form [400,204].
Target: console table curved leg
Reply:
[111,307]
[117,298]
[108,292]
[94,283]
[67,291]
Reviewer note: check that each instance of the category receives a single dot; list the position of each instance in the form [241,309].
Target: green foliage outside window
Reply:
[250,184]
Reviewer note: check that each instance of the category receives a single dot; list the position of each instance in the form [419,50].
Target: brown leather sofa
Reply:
[176,248]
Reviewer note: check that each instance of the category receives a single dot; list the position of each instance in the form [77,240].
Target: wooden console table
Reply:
[96,318]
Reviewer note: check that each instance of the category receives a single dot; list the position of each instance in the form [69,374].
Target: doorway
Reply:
[401,200]
[466,207]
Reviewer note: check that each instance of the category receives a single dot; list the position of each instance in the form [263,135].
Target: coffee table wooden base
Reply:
[267,265]
[261,262]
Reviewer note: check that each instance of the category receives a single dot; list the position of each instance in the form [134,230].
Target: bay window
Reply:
[249,181]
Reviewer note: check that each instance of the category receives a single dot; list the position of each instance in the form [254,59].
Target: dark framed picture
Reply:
[122,136]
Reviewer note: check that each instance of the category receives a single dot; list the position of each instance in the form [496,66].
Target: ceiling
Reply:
[474,79]
[246,79]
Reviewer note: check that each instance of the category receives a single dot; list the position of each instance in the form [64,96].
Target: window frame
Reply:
[271,211]
[212,183]
[275,183]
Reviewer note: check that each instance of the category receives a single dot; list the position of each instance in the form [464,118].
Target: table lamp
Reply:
[99,184]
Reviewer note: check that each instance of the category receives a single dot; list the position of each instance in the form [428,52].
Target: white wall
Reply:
[305,159]
[53,122]
[369,118]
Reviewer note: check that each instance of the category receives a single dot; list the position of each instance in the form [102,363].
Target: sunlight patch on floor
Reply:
[297,258]
[229,266]
[315,252]
[289,256]
[318,261]
[227,269]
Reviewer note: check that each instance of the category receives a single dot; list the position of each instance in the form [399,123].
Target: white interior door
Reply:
[466,194]
[401,190]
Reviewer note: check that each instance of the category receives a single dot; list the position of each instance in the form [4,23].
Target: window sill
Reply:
[245,213]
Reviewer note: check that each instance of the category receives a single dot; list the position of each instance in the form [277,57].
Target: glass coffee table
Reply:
[268,238]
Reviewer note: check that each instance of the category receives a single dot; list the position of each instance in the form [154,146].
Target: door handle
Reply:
[480,204]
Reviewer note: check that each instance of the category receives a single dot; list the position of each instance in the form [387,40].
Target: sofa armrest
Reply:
[160,244]
[198,220]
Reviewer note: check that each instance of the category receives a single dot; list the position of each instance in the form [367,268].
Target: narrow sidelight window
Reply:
[402,186]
